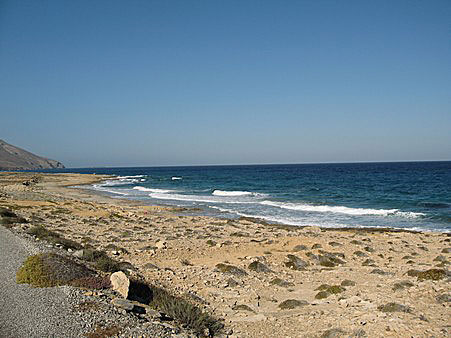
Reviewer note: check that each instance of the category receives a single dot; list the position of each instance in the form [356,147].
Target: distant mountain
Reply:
[14,158]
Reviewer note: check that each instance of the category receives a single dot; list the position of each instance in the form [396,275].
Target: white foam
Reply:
[134,176]
[163,191]
[196,198]
[119,181]
[175,178]
[231,193]
[341,209]
[102,188]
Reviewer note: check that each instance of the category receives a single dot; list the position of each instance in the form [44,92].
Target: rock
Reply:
[160,244]
[347,282]
[281,282]
[120,283]
[333,333]
[154,314]
[258,267]
[123,304]
[402,285]
[299,248]
[151,266]
[295,263]
[243,307]
[443,298]
[232,283]
[78,253]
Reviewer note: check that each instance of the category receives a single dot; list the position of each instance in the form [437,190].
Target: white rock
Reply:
[160,244]
[120,283]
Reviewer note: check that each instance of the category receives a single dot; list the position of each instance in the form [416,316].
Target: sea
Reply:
[404,195]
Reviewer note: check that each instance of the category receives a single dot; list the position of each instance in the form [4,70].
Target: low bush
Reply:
[185,312]
[50,269]
[100,260]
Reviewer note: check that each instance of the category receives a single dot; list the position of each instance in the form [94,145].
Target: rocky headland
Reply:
[14,158]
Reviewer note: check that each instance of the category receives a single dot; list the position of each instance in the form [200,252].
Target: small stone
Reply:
[123,304]
[160,244]
[78,253]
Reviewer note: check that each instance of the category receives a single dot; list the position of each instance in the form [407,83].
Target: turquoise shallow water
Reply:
[413,195]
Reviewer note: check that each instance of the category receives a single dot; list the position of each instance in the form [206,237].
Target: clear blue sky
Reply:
[125,83]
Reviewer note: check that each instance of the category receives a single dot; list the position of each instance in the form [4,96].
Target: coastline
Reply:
[243,270]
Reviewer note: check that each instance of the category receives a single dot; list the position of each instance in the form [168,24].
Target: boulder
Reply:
[120,283]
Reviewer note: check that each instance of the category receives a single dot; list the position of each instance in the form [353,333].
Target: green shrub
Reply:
[50,269]
[100,260]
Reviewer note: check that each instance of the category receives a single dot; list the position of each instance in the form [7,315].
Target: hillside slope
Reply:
[14,158]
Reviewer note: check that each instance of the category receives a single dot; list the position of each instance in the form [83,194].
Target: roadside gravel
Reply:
[59,311]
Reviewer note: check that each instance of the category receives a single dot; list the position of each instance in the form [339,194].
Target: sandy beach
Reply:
[264,280]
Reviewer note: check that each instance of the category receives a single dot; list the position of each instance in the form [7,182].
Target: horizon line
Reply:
[252,164]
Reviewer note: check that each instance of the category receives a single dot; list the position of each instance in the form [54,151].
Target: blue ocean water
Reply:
[412,195]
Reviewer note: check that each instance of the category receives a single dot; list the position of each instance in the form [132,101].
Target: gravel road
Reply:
[27,311]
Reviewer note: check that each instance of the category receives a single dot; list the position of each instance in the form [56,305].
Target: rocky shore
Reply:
[263,280]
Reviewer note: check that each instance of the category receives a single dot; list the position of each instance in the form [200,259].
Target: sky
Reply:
[150,83]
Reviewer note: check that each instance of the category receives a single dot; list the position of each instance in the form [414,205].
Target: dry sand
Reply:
[257,275]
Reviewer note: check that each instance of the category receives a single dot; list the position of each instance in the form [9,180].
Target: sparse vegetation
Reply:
[280,282]
[394,307]
[258,267]
[242,307]
[292,304]
[431,274]
[9,218]
[50,269]
[52,237]
[100,260]
[231,269]
[295,263]
[185,312]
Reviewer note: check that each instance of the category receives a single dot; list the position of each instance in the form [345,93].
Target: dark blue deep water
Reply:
[413,195]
